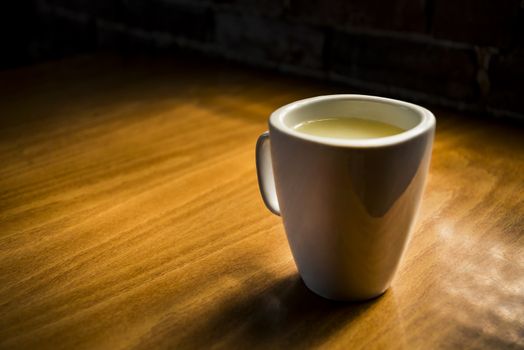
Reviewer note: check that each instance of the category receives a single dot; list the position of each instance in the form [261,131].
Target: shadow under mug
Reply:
[348,205]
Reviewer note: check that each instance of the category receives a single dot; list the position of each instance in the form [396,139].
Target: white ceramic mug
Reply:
[348,206]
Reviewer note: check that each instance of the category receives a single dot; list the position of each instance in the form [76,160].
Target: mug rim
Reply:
[426,123]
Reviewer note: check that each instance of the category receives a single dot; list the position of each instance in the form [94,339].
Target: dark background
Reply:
[463,54]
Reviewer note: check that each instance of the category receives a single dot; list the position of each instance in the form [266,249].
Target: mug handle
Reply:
[266,179]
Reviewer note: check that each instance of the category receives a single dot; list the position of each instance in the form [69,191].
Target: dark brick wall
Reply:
[465,54]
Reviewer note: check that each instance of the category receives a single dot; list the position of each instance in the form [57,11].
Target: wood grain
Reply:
[130,218]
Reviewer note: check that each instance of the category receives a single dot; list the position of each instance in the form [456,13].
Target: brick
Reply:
[182,19]
[419,66]
[76,5]
[405,15]
[492,23]
[111,10]
[506,72]
[113,36]
[255,7]
[269,40]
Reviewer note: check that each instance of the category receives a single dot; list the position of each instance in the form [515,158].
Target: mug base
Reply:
[340,297]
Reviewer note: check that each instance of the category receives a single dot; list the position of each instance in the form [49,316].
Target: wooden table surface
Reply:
[130,218]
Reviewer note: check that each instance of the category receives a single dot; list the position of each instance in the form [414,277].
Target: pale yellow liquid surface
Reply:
[348,128]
